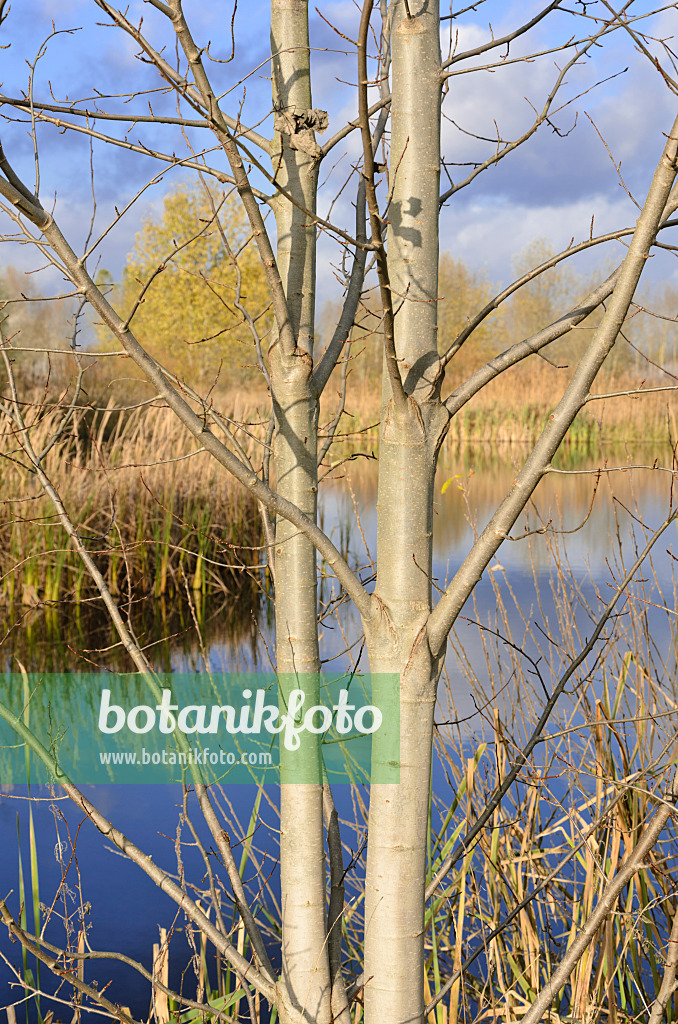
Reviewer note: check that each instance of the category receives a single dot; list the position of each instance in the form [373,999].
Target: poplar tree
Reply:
[397,195]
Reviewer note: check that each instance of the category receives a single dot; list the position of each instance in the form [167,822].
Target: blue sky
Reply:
[550,188]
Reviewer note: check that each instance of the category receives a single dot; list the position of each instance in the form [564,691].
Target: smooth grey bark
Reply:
[305,961]
[410,436]
[410,638]
[307,974]
[668,985]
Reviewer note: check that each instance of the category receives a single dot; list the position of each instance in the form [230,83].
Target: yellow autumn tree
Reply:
[190,282]
[546,297]
[463,292]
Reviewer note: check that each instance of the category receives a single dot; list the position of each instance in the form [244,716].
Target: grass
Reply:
[158,518]
[26,900]
[515,407]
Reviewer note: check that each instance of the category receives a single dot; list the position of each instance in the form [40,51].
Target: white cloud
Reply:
[491,235]
[548,188]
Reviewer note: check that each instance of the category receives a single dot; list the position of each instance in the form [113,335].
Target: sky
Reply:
[613,126]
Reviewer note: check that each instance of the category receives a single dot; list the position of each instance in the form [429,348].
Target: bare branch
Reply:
[506,40]
[623,22]
[160,6]
[228,142]
[523,755]
[164,881]
[603,907]
[100,115]
[381,104]
[78,274]
[57,965]
[522,349]
[349,309]
[604,338]
[335,912]
[190,93]
[395,380]
[168,158]
[541,118]
[223,842]
[59,969]
[668,985]
[494,303]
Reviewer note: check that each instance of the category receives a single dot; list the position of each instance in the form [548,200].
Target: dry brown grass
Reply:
[156,516]
[514,408]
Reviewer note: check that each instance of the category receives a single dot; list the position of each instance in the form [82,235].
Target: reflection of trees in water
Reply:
[70,637]
[561,502]
[78,637]
[475,474]
[524,627]
[562,582]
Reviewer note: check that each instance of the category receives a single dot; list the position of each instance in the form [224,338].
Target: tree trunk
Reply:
[408,449]
[305,966]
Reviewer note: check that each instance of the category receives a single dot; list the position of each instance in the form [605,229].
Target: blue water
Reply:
[126,908]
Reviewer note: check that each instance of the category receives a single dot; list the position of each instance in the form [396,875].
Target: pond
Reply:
[536,605]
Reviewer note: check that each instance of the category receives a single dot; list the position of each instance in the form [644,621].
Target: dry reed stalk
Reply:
[161,974]
[591,778]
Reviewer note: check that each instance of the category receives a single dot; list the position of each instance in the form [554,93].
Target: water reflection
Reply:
[542,593]
[80,637]
[590,525]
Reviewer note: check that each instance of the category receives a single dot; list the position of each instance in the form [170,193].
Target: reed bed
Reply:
[544,825]
[515,408]
[158,518]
